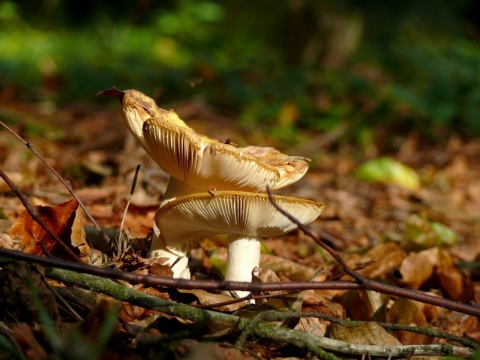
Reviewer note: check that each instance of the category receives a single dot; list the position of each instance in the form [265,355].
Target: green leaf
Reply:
[388,171]
[421,233]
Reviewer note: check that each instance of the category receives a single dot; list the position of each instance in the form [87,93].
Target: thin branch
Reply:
[275,315]
[368,284]
[67,185]
[317,345]
[178,283]
[361,279]
[60,298]
[236,285]
[121,243]
[36,216]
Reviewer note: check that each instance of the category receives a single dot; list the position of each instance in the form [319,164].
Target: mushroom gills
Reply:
[245,217]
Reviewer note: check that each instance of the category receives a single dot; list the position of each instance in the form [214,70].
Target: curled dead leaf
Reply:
[59,218]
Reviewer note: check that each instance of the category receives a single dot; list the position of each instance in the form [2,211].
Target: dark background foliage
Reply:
[286,66]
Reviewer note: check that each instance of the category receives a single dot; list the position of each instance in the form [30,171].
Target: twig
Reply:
[302,339]
[35,216]
[361,279]
[178,283]
[63,181]
[368,284]
[60,298]
[120,247]
[274,315]
[235,285]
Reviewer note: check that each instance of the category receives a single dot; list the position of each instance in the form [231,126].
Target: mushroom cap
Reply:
[202,162]
[194,217]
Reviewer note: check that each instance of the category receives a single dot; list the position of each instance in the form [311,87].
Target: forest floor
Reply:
[427,238]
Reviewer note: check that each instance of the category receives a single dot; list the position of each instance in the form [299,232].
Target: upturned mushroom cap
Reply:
[200,162]
[192,218]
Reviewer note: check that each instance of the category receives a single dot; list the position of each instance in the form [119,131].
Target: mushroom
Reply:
[244,216]
[196,162]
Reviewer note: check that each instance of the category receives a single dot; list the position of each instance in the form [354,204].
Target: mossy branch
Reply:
[316,345]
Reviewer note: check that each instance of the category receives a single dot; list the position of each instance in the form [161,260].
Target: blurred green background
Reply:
[285,66]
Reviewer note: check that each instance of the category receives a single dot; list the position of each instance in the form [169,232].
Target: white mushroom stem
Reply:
[243,257]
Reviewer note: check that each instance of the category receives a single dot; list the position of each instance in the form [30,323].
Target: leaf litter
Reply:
[386,222]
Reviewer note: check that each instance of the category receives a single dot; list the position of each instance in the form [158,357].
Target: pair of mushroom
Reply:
[214,188]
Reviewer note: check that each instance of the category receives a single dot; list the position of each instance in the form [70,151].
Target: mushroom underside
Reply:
[245,217]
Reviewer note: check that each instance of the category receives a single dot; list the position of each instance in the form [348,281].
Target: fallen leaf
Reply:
[16,177]
[78,238]
[364,305]
[188,349]
[436,263]
[285,267]
[312,325]
[95,194]
[30,346]
[369,333]
[388,256]
[416,268]
[59,218]
[207,298]
[388,171]
[408,312]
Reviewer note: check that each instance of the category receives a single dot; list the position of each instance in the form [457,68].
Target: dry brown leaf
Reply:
[207,298]
[188,349]
[95,194]
[420,267]
[388,256]
[30,346]
[285,267]
[456,285]
[416,268]
[408,312]
[78,237]
[161,270]
[369,333]
[16,177]
[312,325]
[364,305]
[59,218]
[132,313]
